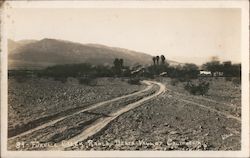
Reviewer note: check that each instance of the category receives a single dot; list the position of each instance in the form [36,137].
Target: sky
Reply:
[184,35]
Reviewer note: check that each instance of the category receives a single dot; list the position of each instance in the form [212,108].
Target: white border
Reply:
[244,5]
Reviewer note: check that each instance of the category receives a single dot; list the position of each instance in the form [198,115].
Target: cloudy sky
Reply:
[184,35]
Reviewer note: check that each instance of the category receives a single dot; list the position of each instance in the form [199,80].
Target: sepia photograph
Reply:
[132,76]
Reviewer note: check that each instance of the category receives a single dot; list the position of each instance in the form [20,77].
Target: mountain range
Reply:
[37,54]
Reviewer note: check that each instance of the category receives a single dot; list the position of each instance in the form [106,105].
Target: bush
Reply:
[135,81]
[184,78]
[174,82]
[19,76]
[20,79]
[87,81]
[237,81]
[61,79]
[228,78]
[197,89]
[148,75]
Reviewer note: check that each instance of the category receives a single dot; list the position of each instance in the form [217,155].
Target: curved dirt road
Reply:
[99,124]
[150,85]
[103,103]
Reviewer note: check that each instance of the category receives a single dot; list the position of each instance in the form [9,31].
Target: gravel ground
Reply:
[47,98]
[72,125]
[123,102]
[167,123]
[220,91]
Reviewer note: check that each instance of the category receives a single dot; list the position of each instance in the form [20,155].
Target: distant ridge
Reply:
[36,54]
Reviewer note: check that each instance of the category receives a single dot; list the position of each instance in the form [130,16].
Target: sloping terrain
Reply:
[37,54]
[49,52]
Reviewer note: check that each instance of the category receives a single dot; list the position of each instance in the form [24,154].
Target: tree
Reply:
[231,70]
[227,63]
[157,59]
[212,66]
[121,63]
[190,71]
[116,63]
[154,59]
[118,66]
[163,59]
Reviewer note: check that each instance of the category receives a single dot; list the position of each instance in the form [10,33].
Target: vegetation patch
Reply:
[200,88]
[135,81]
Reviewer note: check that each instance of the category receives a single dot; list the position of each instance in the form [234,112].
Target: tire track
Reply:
[149,86]
[205,99]
[212,109]
[99,124]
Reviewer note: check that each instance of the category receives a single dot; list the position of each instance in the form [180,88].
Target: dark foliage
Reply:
[183,73]
[156,69]
[228,78]
[197,89]
[236,81]
[228,69]
[135,81]
[174,82]
[90,81]
[21,75]
[163,59]
[118,66]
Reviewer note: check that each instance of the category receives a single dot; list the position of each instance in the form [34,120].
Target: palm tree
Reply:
[163,59]
[157,59]
[154,59]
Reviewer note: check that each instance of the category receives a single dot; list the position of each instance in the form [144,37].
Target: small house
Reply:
[205,73]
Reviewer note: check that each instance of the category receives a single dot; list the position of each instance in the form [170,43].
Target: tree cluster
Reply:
[156,59]
[228,69]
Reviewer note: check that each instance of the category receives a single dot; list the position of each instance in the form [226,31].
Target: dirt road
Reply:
[134,100]
[81,111]
[99,124]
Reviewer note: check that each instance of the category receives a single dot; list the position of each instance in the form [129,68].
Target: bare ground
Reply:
[50,100]
[173,120]
[176,120]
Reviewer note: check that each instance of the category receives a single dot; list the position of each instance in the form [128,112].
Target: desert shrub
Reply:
[135,81]
[184,78]
[174,82]
[20,79]
[197,89]
[183,73]
[228,78]
[90,81]
[19,76]
[148,74]
[61,79]
[236,81]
